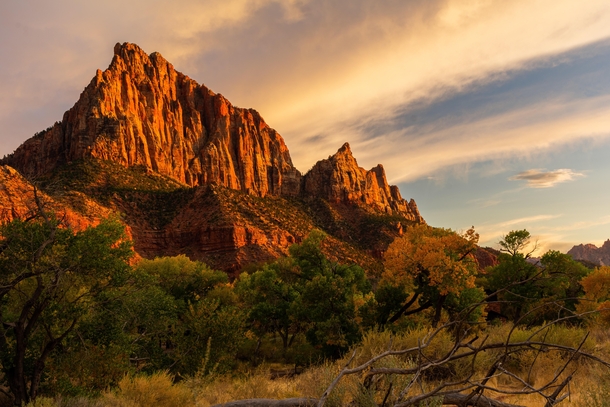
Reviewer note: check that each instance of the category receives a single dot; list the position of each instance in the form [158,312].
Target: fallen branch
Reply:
[294,402]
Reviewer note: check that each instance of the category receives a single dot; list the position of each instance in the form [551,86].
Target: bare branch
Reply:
[294,402]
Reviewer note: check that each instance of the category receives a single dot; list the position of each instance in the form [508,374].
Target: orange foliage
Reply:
[597,296]
[597,284]
[439,258]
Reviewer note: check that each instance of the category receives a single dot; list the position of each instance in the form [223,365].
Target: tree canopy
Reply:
[432,263]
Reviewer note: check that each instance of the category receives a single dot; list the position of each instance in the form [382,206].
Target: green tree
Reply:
[515,277]
[561,281]
[182,315]
[51,277]
[307,292]
[531,291]
[515,241]
[269,294]
[173,314]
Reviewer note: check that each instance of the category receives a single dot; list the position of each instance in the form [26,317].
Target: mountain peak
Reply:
[339,179]
[592,253]
[124,48]
[142,112]
[345,148]
[141,125]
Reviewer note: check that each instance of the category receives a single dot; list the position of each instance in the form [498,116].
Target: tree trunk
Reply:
[438,309]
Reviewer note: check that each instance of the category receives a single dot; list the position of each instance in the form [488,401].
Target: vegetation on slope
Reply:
[80,324]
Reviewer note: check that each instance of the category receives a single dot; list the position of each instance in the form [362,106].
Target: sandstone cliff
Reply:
[339,179]
[192,174]
[590,252]
[141,111]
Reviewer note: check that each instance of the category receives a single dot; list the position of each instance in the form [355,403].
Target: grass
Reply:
[590,386]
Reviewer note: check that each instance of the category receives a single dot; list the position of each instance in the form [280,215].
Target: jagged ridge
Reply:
[193,174]
[141,111]
[592,253]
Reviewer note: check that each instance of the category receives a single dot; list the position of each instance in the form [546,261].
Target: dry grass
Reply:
[589,387]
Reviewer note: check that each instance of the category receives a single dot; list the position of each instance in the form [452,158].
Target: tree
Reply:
[433,263]
[561,280]
[269,294]
[307,292]
[50,277]
[523,284]
[181,315]
[513,279]
[596,288]
[515,241]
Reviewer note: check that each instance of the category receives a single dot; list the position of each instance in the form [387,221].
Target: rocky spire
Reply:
[141,111]
[339,179]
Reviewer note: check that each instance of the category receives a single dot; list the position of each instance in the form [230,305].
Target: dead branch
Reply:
[294,402]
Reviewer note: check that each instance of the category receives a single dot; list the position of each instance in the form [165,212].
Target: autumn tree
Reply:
[596,297]
[434,264]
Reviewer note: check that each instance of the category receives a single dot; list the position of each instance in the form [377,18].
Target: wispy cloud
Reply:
[522,132]
[538,178]
[581,225]
[526,220]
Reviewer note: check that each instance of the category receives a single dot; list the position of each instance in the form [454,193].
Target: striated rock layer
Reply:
[17,201]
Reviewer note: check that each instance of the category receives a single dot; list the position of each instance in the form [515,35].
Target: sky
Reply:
[492,114]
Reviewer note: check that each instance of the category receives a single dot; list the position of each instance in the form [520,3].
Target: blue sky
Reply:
[488,113]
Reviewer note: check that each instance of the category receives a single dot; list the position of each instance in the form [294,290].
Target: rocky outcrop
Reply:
[339,179]
[141,111]
[18,201]
[486,257]
[192,174]
[591,253]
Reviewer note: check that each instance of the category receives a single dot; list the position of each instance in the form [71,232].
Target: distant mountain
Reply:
[591,253]
[191,173]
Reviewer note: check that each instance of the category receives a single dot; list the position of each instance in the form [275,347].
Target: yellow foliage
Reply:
[440,256]
[597,296]
[597,284]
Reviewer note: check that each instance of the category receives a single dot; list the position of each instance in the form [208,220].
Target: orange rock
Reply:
[340,179]
[141,111]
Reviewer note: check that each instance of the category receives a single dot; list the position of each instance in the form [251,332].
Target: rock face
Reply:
[339,179]
[192,174]
[592,253]
[141,111]
[17,201]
